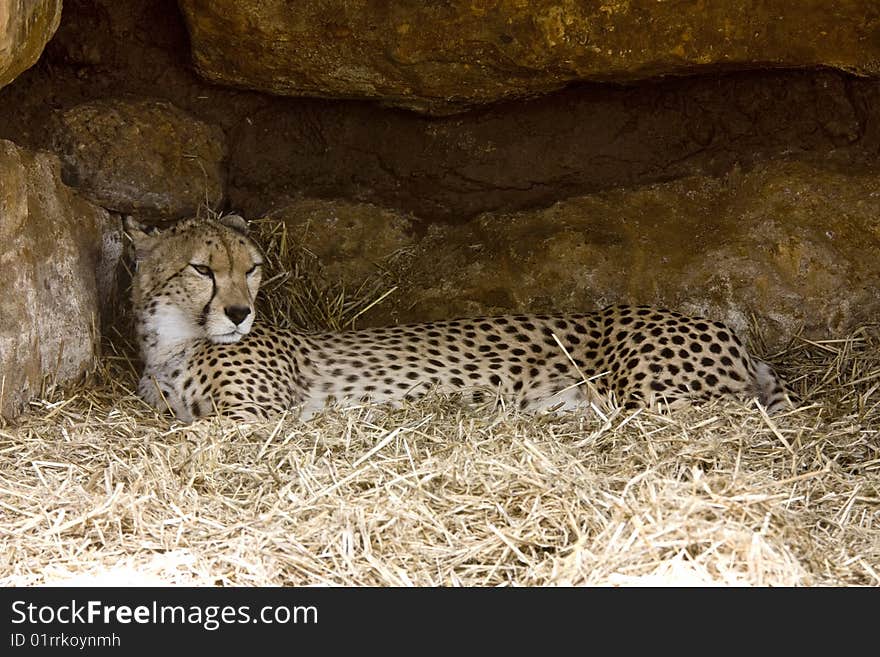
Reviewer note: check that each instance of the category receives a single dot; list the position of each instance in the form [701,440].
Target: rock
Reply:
[533,153]
[446,57]
[797,245]
[348,240]
[111,274]
[145,157]
[50,251]
[25,28]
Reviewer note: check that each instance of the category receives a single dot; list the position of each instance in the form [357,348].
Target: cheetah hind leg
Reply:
[248,412]
[769,389]
[581,396]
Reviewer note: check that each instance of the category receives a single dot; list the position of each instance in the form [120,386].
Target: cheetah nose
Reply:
[237,313]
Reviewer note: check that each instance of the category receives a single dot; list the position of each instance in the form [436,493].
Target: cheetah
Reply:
[193,296]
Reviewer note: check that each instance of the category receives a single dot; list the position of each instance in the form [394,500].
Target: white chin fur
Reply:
[223,331]
[226,338]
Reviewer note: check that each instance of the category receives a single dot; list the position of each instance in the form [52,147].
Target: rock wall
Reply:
[50,255]
[446,57]
[522,155]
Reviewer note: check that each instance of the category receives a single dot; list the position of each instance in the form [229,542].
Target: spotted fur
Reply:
[199,360]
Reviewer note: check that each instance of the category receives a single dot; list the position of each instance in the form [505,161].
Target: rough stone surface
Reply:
[25,28]
[444,57]
[111,274]
[535,153]
[348,240]
[508,157]
[145,157]
[796,245]
[50,251]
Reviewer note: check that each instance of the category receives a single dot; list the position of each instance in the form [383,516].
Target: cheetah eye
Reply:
[204,270]
[253,269]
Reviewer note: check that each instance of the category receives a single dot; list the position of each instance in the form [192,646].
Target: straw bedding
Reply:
[96,488]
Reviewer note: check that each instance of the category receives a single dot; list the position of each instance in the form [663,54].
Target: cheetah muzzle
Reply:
[193,296]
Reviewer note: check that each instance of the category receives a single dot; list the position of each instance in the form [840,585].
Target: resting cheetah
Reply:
[193,297]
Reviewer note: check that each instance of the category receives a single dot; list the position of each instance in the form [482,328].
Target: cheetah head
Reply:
[197,279]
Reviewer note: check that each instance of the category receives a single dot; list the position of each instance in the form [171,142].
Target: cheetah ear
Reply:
[141,235]
[235,222]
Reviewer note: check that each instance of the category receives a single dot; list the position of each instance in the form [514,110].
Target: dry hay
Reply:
[95,488]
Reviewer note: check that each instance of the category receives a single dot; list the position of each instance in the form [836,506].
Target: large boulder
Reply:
[445,57]
[796,245]
[145,157]
[25,28]
[51,244]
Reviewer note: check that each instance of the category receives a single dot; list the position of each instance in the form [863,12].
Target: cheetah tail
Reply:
[769,389]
